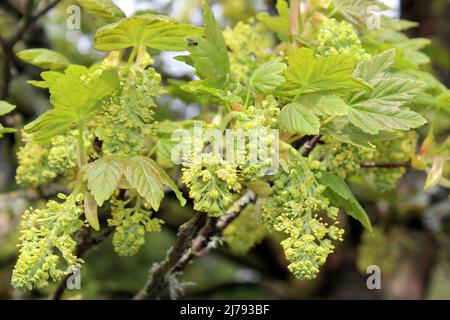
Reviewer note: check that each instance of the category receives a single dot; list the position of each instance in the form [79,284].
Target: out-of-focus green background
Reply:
[411,242]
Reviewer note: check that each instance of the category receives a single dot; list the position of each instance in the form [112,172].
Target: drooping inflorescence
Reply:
[47,245]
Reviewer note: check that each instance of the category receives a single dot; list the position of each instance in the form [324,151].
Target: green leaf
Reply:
[44,59]
[297,119]
[103,177]
[142,175]
[148,178]
[392,92]
[75,99]
[91,211]
[6,107]
[168,181]
[341,130]
[105,10]
[267,78]
[154,31]
[280,23]
[372,119]
[209,55]
[50,124]
[340,195]
[328,74]
[375,69]
[201,90]
[331,105]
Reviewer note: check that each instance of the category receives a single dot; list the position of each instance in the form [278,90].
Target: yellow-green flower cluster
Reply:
[39,164]
[128,117]
[256,124]
[396,150]
[131,225]
[294,209]
[211,182]
[245,232]
[244,59]
[341,158]
[47,245]
[340,38]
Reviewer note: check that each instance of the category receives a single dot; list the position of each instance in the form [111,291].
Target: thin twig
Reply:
[86,244]
[386,165]
[310,145]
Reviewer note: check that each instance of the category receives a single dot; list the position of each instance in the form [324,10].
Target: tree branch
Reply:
[199,236]
[8,44]
[158,281]
[86,244]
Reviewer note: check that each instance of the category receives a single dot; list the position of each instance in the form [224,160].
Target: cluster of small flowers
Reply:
[131,225]
[245,59]
[396,150]
[46,237]
[212,183]
[128,117]
[259,121]
[39,164]
[294,209]
[340,38]
[342,158]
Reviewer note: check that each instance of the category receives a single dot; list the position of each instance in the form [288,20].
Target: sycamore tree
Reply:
[329,96]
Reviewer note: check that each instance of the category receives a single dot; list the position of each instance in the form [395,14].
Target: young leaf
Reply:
[297,119]
[103,177]
[333,73]
[44,58]
[105,10]
[373,119]
[154,31]
[340,195]
[331,105]
[142,175]
[435,174]
[280,23]
[267,77]
[375,69]
[392,92]
[91,211]
[74,99]
[209,55]
[168,181]
[5,107]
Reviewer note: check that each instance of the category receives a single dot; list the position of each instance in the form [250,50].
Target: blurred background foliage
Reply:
[411,242]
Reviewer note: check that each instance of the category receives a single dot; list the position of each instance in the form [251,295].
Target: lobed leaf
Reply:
[154,31]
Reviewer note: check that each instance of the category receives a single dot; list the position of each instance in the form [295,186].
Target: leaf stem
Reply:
[132,56]
[81,151]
